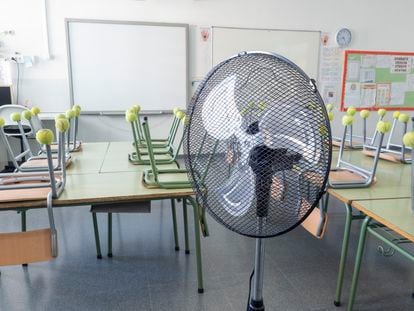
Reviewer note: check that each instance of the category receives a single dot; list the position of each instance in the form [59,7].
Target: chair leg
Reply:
[23,221]
[109,234]
[187,248]
[174,216]
[97,241]
[197,245]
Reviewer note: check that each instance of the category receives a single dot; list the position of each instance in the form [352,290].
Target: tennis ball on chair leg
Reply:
[60,116]
[364,114]
[330,115]
[396,114]
[130,116]
[15,117]
[62,125]
[35,111]
[27,115]
[403,117]
[351,111]
[45,137]
[70,114]
[329,107]
[382,112]
[347,120]
[408,139]
[383,127]
[2,122]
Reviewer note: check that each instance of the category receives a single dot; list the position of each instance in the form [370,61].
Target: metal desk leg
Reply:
[109,234]
[357,268]
[187,247]
[23,215]
[344,252]
[97,241]
[197,244]
[174,216]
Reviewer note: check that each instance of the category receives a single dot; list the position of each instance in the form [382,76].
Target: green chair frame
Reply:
[137,156]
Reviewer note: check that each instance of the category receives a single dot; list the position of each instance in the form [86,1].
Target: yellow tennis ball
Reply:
[77,108]
[403,117]
[396,114]
[347,120]
[76,112]
[330,115]
[45,137]
[351,111]
[383,126]
[408,139]
[70,113]
[62,125]
[60,116]
[176,110]
[136,108]
[27,115]
[130,117]
[329,107]
[382,112]
[35,111]
[2,122]
[15,117]
[364,114]
[180,114]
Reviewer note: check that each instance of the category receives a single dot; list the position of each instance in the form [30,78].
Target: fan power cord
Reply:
[250,290]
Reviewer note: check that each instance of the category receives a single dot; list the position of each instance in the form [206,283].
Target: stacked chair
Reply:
[154,153]
[43,185]
[352,141]
[346,174]
[163,149]
[26,160]
[394,152]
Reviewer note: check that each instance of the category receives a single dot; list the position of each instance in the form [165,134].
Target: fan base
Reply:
[256,305]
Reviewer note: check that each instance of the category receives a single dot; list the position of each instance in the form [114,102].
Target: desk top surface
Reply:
[101,173]
[393,179]
[396,214]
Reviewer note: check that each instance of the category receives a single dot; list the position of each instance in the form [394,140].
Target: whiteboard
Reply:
[299,46]
[116,64]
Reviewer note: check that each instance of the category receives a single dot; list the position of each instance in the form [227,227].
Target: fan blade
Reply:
[288,131]
[237,193]
[221,121]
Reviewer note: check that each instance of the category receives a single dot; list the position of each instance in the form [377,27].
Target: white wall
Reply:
[376,25]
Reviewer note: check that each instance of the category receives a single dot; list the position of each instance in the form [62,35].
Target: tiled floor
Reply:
[147,274]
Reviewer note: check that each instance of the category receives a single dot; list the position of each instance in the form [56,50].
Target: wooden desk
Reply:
[101,174]
[393,180]
[395,214]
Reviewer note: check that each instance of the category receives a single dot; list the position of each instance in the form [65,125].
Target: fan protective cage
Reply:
[258,144]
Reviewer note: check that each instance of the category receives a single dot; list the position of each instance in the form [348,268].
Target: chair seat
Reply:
[41,162]
[31,194]
[345,176]
[388,156]
[54,147]
[25,247]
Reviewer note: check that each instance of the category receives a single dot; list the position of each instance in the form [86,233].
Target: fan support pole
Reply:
[256,302]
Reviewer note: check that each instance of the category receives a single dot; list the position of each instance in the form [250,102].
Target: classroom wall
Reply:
[376,25]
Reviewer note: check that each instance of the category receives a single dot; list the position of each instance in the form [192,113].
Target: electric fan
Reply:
[258,149]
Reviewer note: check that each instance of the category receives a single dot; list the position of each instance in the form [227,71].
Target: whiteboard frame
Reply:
[68,21]
[271,29]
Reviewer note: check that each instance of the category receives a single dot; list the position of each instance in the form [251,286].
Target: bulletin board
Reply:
[376,79]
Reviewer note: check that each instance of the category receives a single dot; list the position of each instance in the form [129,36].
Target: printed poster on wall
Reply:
[374,80]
